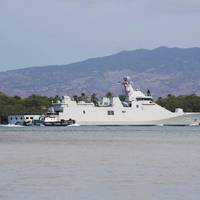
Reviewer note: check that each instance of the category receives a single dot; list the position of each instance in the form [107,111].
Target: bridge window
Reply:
[144,99]
[83,111]
[110,112]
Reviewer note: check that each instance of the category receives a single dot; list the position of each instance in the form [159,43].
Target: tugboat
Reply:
[25,123]
[52,118]
[55,122]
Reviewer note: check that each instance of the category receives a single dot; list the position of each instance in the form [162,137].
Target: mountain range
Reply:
[162,70]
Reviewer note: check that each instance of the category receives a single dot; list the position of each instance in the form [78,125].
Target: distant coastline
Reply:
[36,104]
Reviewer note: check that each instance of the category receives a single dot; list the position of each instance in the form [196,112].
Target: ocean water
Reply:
[100,163]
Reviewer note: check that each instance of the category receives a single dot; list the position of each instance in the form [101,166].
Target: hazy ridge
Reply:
[163,70]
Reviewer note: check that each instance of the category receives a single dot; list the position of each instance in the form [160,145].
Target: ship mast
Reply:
[129,91]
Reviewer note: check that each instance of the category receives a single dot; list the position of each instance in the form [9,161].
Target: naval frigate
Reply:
[137,109]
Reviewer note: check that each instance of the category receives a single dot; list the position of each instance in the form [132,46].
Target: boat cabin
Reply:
[23,119]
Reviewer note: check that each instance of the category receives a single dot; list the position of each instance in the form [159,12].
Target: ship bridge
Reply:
[134,94]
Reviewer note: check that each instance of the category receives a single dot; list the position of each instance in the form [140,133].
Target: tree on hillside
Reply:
[75,98]
[94,99]
[109,95]
[122,97]
[189,103]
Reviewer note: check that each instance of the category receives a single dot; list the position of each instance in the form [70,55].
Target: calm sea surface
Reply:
[100,163]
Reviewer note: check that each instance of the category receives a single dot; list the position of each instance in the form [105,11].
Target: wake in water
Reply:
[13,125]
[10,125]
[74,125]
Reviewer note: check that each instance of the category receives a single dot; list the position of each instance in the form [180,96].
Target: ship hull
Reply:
[99,117]
[138,113]
[183,120]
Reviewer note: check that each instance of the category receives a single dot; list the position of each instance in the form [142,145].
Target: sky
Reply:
[56,32]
